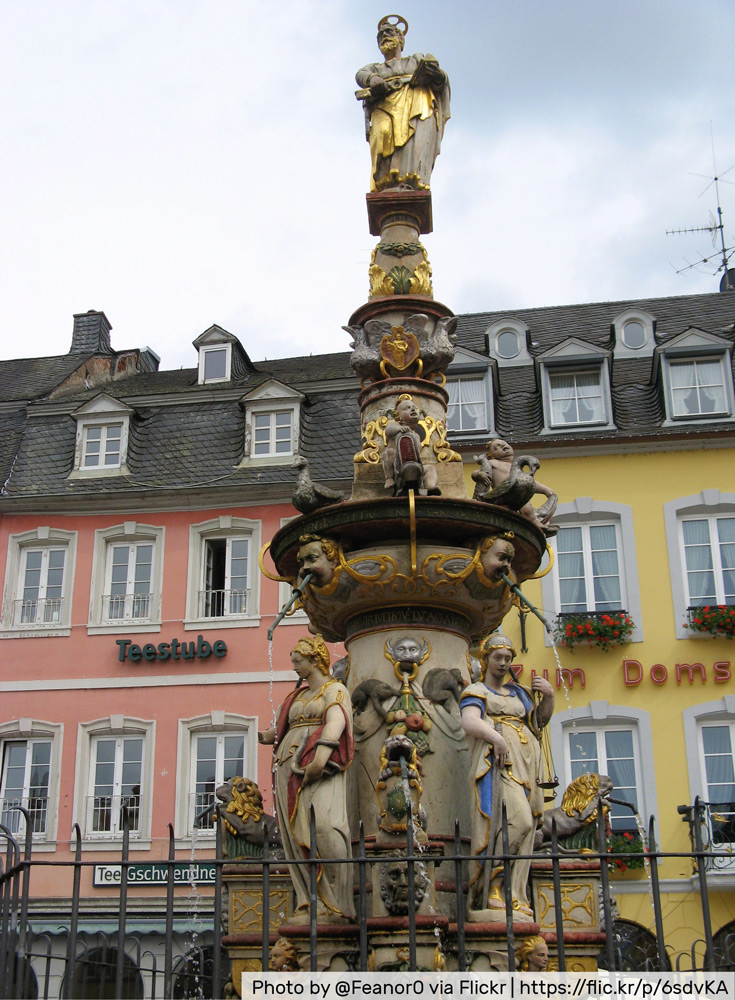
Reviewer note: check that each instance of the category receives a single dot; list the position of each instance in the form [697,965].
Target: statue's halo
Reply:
[395,20]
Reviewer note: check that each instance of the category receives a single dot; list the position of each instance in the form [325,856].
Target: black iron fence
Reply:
[178,947]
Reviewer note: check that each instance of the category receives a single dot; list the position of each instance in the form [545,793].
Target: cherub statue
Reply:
[319,556]
[496,557]
[283,956]
[404,469]
[502,479]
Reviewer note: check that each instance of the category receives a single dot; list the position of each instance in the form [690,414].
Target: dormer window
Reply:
[698,388]
[507,344]
[467,407]
[102,438]
[214,363]
[576,398]
[634,335]
[221,357]
[470,388]
[507,340]
[634,331]
[102,446]
[271,424]
[697,377]
[273,433]
[576,386]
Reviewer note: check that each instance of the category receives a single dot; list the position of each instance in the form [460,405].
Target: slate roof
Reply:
[185,436]
[637,395]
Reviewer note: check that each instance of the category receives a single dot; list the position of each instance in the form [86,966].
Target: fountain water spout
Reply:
[517,590]
[297,592]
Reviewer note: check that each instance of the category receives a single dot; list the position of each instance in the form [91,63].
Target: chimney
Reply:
[91,333]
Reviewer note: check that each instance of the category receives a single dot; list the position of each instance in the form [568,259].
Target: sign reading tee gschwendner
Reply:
[184,873]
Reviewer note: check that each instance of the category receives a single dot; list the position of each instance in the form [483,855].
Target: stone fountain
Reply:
[410,572]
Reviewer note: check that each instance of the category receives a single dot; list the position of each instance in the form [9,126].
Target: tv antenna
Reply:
[715,228]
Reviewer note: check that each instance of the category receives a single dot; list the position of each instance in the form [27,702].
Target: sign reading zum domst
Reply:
[184,873]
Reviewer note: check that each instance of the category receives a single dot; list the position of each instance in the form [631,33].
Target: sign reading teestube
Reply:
[174,650]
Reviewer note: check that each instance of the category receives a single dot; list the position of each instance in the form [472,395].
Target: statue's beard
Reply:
[390,45]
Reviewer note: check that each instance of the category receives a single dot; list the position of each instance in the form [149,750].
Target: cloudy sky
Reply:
[179,163]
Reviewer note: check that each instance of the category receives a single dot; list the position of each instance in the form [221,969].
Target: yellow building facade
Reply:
[666,696]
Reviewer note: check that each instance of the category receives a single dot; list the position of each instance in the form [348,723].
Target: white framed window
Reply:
[38,583]
[215,363]
[611,750]
[101,446]
[223,585]
[575,382]
[212,748]
[709,558]
[272,433]
[114,776]
[102,438]
[115,784]
[595,564]
[30,753]
[576,398]
[700,537]
[709,736]
[127,577]
[697,388]
[588,568]
[697,378]
[467,409]
[219,355]
[272,412]
[609,739]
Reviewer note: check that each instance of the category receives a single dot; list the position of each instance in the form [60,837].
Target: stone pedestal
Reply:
[337,950]
[579,900]
[388,938]
[486,945]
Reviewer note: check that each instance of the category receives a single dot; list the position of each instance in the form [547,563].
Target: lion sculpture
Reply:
[244,821]
[577,815]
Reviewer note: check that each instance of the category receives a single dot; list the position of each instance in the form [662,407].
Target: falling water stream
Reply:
[193,905]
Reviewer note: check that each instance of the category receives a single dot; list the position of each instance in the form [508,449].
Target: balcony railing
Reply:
[223,603]
[201,810]
[717,821]
[129,607]
[12,818]
[105,814]
[28,612]
[565,616]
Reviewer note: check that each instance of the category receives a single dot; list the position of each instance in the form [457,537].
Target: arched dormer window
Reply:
[507,341]
[634,331]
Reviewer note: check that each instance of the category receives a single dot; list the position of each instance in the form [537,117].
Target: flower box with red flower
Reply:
[717,620]
[593,628]
[627,852]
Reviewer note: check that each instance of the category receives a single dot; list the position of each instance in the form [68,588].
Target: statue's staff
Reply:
[496,814]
